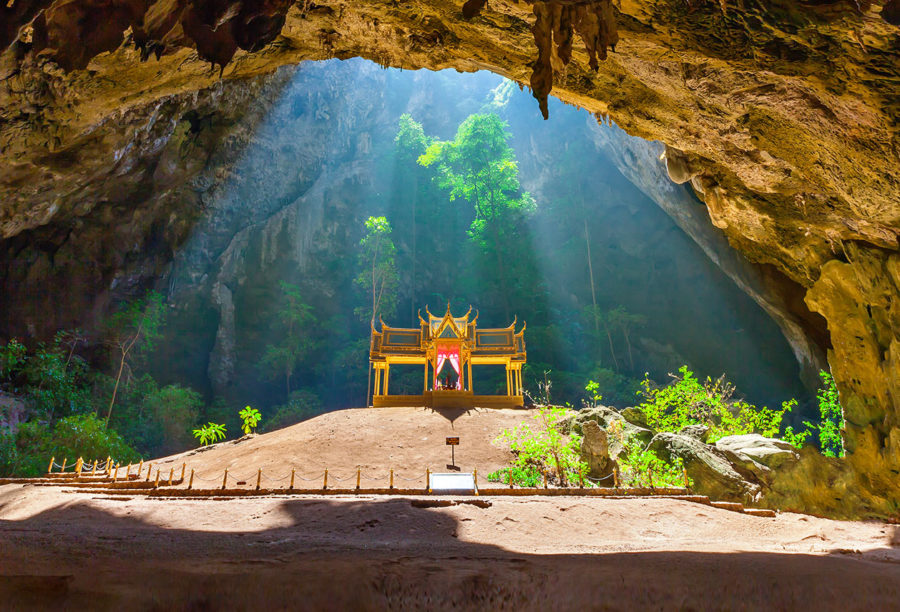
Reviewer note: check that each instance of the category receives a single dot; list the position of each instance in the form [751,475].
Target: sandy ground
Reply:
[375,440]
[76,550]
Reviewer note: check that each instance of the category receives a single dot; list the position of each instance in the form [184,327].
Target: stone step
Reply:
[763,512]
[733,506]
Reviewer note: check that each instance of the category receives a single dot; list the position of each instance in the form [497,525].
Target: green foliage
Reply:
[593,389]
[156,420]
[301,405]
[641,467]
[12,356]
[479,167]
[378,275]
[541,447]
[250,417]
[616,389]
[523,476]
[798,438]
[133,332]
[411,140]
[53,381]
[295,340]
[210,433]
[71,437]
[687,401]
[832,418]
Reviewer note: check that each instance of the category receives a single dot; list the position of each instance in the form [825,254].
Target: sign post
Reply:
[452,443]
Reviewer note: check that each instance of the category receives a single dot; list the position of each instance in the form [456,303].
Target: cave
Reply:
[721,175]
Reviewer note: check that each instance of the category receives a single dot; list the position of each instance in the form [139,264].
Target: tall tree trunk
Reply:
[116,387]
[611,349]
[628,344]
[587,242]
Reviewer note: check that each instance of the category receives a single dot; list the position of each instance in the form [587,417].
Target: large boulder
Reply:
[606,417]
[595,451]
[700,432]
[711,471]
[770,452]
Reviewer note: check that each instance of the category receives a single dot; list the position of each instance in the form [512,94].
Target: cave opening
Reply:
[611,288]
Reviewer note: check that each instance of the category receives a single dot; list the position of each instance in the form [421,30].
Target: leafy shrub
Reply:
[249,418]
[543,449]
[641,467]
[52,378]
[527,476]
[832,418]
[72,437]
[687,401]
[209,433]
[12,356]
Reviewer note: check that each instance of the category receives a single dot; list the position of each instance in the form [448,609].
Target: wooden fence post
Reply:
[191,483]
[509,471]
[258,478]
[392,479]
[63,468]
[94,469]
[140,468]
[149,471]
[171,473]
[357,478]
[225,479]
[545,480]
[50,467]
[475,479]
[128,472]
[116,474]
[616,476]
[183,467]
[687,483]
[325,482]
[428,479]
[108,458]
[78,465]
[292,478]
[156,484]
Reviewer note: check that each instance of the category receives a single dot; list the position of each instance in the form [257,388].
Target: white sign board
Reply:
[452,481]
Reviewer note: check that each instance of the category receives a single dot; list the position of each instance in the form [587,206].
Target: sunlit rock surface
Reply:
[782,116]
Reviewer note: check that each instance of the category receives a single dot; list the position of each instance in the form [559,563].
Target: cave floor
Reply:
[80,550]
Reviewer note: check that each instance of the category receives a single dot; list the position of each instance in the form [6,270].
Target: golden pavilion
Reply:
[456,341]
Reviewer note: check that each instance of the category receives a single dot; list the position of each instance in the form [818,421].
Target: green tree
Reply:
[132,332]
[624,321]
[378,275]
[296,341]
[479,166]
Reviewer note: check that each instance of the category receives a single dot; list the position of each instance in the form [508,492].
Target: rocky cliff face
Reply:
[783,116]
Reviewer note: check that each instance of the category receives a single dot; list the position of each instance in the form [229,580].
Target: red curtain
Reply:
[451,352]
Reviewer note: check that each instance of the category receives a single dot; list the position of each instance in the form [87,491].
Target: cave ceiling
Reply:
[782,115]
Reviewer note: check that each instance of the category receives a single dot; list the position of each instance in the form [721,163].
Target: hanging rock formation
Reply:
[783,116]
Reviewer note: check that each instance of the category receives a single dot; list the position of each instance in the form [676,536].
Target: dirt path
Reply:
[371,553]
[78,550]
